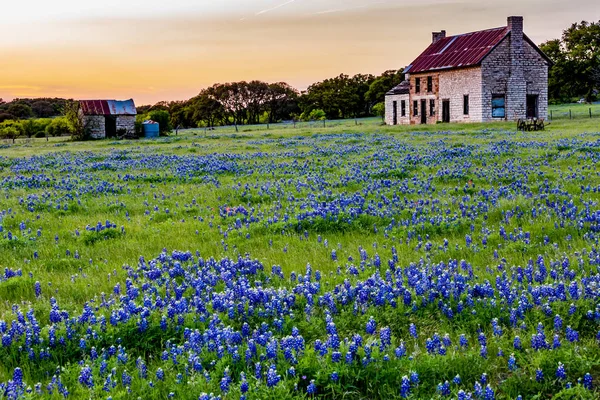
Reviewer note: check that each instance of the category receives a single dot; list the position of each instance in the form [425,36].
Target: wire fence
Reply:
[577,112]
[285,125]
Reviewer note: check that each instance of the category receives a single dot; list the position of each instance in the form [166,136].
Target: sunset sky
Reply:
[155,50]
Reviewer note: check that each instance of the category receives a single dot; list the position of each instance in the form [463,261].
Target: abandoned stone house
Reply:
[491,75]
[108,118]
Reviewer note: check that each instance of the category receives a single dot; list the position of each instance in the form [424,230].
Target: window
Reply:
[466,104]
[403,108]
[432,108]
[498,106]
[418,85]
[415,108]
[430,84]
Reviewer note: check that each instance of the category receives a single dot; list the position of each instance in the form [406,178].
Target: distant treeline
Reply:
[254,102]
[31,108]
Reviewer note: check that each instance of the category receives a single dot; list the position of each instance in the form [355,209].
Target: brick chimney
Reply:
[515,24]
[438,36]
[517,86]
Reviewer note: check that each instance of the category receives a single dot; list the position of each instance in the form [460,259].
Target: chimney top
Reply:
[515,23]
[436,36]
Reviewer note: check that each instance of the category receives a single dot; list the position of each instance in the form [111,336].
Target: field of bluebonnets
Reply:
[314,263]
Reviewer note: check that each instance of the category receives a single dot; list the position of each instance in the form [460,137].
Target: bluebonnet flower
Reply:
[86,378]
[371,326]
[312,388]
[444,389]
[539,375]
[560,371]
[160,375]
[587,381]
[334,376]
[512,362]
[412,329]
[405,387]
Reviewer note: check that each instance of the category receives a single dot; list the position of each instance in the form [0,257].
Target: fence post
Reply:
[550,115]
[590,112]
[323,123]
[570,115]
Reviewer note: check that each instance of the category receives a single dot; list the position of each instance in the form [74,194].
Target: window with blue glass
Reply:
[498,106]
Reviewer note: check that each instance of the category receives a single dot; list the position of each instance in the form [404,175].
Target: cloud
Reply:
[268,10]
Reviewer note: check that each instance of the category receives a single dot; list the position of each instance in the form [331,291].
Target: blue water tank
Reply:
[151,129]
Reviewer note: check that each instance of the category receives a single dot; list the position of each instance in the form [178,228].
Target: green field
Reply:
[477,232]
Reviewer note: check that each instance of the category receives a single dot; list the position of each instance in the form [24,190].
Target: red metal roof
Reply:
[108,107]
[458,51]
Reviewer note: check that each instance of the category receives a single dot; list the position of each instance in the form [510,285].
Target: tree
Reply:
[20,110]
[9,133]
[381,85]
[576,58]
[379,110]
[28,127]
[205,110]
[57,127]
[6,117]
[339,97]
[163,118]
[43,109]
[75,120]
[282,101]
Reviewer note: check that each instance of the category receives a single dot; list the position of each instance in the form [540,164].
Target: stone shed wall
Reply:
[95,125]
[126,122]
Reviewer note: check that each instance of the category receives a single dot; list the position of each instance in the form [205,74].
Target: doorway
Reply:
[423,111]
[446,111]
[532,106]
[395,112]
[110,126]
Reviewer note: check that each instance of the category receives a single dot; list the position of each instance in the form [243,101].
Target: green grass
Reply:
[343,158]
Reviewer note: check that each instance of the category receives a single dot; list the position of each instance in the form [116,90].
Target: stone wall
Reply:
[535,69]
[126,122]
[95,125]
[389,109]
[454,85]
[498,78]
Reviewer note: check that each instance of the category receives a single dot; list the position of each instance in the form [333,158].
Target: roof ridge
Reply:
[479,31]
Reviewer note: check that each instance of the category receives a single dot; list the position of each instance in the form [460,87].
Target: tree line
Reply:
[256,102]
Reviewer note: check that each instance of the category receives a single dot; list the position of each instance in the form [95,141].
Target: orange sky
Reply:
[152,52]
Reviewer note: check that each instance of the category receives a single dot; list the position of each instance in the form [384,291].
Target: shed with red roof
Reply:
[108,118]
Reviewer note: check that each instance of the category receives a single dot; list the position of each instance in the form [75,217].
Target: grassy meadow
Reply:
[353,261]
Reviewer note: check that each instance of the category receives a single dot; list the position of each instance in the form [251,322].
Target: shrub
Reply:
[9,133]
[58,127]
[28,127]
[40,134]
[379,109]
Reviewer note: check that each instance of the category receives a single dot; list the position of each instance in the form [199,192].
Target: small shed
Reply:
[151,128]
[108,118]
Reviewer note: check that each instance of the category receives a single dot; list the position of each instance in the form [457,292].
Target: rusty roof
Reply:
[468,49]
[108,107]
[402,88]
